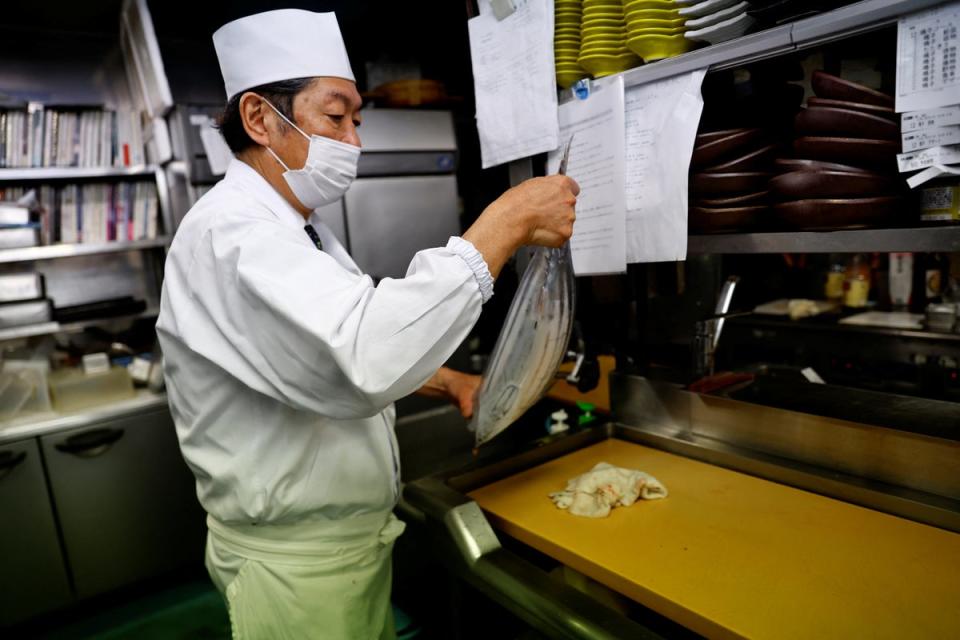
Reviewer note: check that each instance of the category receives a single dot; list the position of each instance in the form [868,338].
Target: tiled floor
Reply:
[191,610]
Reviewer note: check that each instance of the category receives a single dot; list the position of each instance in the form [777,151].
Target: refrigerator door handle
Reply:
[91,443]
[9,460]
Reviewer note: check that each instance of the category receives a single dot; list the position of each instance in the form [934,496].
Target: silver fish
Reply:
[533,341]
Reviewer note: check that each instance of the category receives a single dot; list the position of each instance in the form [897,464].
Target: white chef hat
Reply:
[280,45]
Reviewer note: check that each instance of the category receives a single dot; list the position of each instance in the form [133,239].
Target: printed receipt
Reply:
[661,126]
[514,80]
[596,163]
[927,59]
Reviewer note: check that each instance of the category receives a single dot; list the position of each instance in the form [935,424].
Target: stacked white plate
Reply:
[715,21]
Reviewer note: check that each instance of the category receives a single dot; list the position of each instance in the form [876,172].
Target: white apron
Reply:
[325,579]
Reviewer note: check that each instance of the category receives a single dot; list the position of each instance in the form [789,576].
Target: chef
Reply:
[283,360]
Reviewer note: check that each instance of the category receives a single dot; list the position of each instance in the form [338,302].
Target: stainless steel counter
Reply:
[910,475]
[33,426]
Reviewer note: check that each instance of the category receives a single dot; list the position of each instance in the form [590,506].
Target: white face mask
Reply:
[330,169]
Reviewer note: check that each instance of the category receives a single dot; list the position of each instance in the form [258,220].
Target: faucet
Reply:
[707,335]
[585,375]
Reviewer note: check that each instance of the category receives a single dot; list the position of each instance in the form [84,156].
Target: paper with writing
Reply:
[596,163]
[661,125]
[928,44]
[514,81]
[913,161]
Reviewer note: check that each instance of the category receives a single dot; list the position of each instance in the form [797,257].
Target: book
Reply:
[12,214]
[69,214]
[18,237]
[35,114]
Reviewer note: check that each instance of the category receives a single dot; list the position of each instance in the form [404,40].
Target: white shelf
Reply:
[73,173]
[48,328]
[42,424]
[69,250]
[921,239]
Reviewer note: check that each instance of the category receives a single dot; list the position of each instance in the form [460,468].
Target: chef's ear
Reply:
[253,114]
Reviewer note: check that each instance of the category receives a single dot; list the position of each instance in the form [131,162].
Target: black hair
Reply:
[280,94]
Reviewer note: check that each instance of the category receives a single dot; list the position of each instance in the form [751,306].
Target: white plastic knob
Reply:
[559,421]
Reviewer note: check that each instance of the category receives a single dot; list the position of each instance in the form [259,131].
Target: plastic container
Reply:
[71,389]
[941,317]
[35,373]
[940,201]
[15,390]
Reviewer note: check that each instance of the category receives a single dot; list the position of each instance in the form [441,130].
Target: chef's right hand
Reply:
[544,207]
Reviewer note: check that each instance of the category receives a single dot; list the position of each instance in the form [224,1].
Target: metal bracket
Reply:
[471,532]
[503,8]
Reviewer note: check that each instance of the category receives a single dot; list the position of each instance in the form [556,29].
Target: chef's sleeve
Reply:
[327,340]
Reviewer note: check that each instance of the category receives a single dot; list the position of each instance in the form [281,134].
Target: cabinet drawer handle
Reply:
[9,460]
[90,444]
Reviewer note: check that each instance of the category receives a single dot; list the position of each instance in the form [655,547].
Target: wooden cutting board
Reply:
[730,555]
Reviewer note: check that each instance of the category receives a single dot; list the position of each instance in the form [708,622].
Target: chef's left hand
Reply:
[457,387]
[462,390]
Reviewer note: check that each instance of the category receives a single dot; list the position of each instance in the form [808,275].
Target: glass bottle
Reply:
[935,276]
[901,279]
[836,274]
[856,284]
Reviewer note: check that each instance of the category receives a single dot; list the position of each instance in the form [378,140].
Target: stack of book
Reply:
[40,136]
[17,227]
[83,213]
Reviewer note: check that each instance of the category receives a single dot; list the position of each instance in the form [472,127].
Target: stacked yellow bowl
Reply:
[566,41]
[603,46]
[655,29]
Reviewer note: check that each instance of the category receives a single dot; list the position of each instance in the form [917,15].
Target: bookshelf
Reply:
[35,425]
[80,98]
[47,328]
[43,174]
[49,252]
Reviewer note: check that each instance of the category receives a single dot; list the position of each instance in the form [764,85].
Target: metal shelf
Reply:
[826,27]
[817,325]
[74,173]
[41,424]
[756,46]
[48,328]
[69,250]
[854,19]
[924,239]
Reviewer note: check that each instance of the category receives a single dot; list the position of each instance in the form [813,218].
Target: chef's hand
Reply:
[539,211]
[459,388]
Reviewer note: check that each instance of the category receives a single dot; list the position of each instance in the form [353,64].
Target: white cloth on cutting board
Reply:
[595,493]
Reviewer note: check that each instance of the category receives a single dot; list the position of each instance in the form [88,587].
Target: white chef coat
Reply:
[282,361]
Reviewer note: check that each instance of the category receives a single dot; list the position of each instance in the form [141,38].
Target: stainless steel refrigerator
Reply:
[405,196]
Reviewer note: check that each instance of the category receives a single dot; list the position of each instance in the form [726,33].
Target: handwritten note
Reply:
[930,119]
[932,137]
[660,126]
[514,81]
[596,163]
[928,47]
[928,158]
